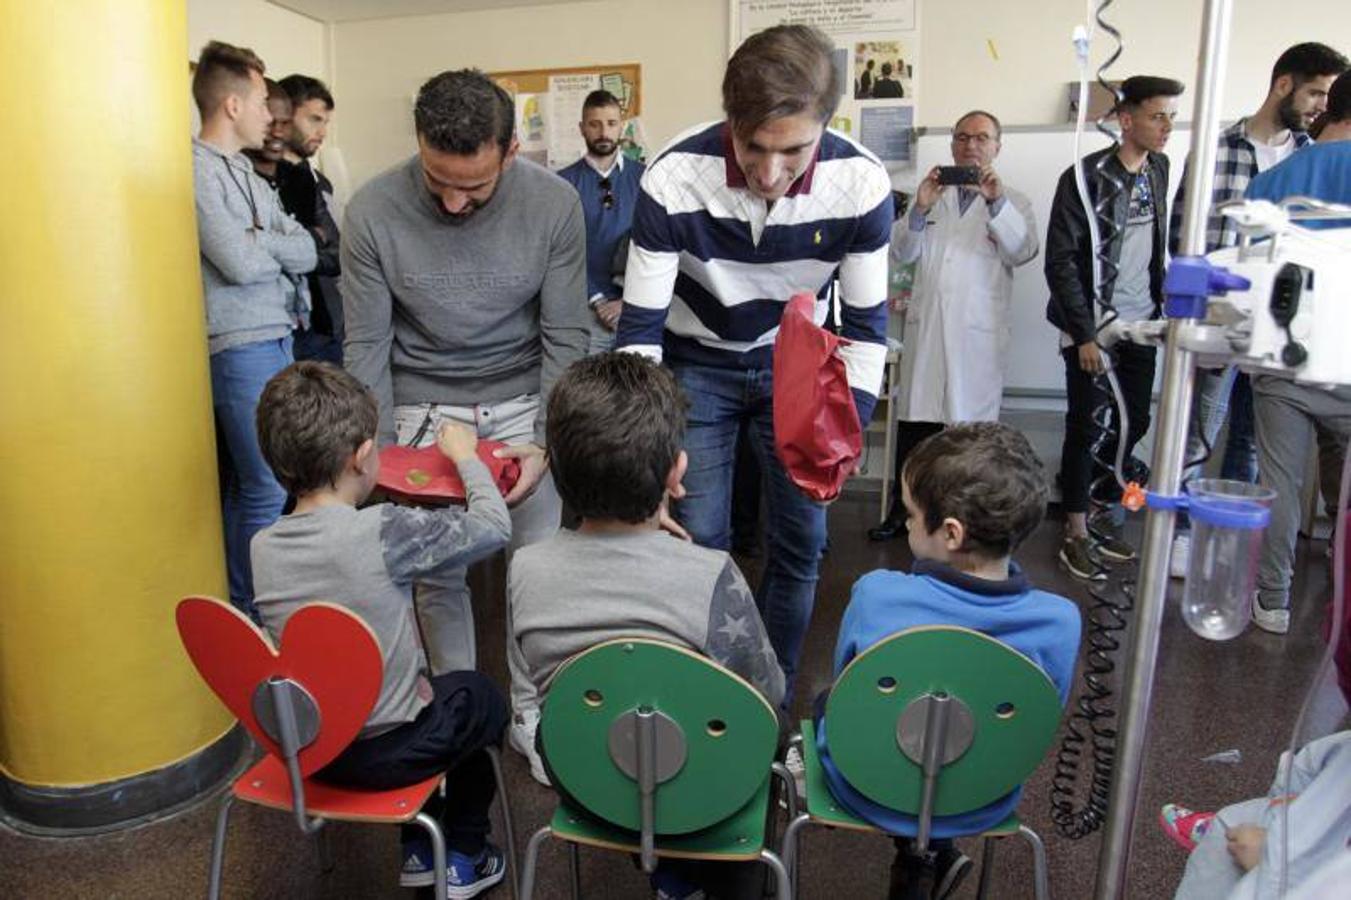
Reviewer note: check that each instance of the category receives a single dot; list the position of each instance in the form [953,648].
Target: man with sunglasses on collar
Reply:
[608,186]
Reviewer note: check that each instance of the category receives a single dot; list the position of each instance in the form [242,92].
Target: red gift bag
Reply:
[817,434]
[426,473]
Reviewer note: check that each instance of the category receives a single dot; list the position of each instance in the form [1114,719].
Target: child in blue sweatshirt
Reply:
[971,493]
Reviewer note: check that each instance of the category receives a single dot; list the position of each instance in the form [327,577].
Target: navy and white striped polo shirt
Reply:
[703,287]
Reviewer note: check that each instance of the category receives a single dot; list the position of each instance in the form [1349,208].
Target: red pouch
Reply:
[426,473]
[816,429]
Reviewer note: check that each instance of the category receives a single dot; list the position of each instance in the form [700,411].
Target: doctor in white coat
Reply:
[967,240]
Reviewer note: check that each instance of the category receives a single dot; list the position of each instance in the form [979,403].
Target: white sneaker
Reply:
[521,735]
[1276,621]
[1180,557]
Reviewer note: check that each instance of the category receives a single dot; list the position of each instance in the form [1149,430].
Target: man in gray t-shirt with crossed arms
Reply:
[464,294]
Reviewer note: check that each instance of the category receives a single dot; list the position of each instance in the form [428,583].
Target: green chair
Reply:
[933,721]
[660,752]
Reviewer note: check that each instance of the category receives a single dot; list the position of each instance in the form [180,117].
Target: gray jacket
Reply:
[252,252]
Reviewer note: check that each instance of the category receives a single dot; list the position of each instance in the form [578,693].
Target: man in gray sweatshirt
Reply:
[253,258]
[464,295]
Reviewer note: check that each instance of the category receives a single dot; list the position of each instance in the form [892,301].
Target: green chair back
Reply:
[1014,708]
[729,733]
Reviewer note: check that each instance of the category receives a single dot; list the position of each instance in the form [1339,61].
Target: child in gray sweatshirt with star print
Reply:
[616,424]
[615,428]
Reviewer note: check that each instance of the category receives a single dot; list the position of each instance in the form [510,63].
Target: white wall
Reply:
[379,63]
[287,42]
[682,48]
[1026,84]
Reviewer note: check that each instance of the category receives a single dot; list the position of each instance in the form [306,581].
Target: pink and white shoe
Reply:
[1186,828]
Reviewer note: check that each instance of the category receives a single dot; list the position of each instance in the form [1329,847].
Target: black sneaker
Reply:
[912,877]
[1112,547]
[1076,556]
[890,527]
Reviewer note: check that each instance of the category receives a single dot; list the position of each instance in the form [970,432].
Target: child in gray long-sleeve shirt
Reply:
[316,426]
[615,426]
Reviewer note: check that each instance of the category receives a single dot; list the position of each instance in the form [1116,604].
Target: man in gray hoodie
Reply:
[253,257]
[464,295]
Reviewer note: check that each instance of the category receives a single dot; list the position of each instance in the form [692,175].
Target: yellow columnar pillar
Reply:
[109,507]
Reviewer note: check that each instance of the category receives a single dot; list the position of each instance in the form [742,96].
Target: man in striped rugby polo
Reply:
[733,218]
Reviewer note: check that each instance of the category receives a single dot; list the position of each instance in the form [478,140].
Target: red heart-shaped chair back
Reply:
[326,649]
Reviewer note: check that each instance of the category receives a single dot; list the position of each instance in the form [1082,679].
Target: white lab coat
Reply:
[957,321]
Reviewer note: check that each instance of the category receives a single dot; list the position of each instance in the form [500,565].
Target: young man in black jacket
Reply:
[1134,174]
[307,194]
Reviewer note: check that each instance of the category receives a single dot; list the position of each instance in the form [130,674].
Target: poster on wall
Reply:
[549,107]
[834,17]
[566,94]
[876,56]
[884,70]
[531,128]
[887,130]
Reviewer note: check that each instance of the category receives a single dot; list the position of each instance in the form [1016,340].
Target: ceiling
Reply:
[355,10]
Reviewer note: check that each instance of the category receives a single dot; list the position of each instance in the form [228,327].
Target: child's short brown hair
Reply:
[615,429]
[986,476]
[311,417]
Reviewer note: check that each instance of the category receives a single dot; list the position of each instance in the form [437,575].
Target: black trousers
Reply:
[467,714]
[1134,366]
[908,436]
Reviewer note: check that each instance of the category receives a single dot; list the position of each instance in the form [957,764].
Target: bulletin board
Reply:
[549,106]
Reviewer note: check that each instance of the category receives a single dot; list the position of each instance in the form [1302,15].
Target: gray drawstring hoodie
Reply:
[250,275]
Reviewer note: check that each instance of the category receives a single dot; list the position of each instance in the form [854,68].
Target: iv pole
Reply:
[1175,401]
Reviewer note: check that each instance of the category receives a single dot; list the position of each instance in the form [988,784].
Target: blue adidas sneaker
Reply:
[466,876]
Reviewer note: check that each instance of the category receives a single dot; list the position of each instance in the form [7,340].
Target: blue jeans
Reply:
[721,401]
[1221,393]
[1240,452]
[250,496]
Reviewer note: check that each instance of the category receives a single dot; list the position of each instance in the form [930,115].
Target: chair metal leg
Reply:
[1041,879]
[495,755]
[789,846]
[531,859]
[785,891]
[575,869]
[218,847]
[789,788]
[986,869]
[324,847]
[438,839]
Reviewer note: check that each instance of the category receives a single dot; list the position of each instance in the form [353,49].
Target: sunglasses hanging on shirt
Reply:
[607,198]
